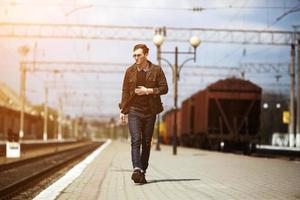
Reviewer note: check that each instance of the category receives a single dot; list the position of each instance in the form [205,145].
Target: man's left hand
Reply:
[141,90]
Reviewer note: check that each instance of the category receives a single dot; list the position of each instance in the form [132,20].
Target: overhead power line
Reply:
[294,37]
[292,10]
[126,6]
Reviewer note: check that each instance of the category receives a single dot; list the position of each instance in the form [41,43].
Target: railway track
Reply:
[18,176]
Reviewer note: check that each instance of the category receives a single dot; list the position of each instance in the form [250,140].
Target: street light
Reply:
[158,40]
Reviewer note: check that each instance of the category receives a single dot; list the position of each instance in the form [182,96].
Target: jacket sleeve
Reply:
[125,91]
[162,84]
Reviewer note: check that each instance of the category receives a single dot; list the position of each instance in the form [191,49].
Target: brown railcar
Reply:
[168,119]
[225,115]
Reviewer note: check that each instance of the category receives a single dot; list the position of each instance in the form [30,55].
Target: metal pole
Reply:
[59,134]
[292,97]
[45,134]
[158,116]
[76,128]
[158,133]
[175,102]
[22,95]
[298,98]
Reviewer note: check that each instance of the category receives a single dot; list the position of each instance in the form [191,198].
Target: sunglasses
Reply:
[137,55]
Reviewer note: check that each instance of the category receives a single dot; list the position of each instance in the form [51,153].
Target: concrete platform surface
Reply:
[192,174]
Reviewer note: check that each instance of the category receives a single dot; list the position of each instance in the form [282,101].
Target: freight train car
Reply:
[225,115]
[168,119]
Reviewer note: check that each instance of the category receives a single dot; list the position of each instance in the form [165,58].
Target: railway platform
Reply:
[34,148]
[191,174]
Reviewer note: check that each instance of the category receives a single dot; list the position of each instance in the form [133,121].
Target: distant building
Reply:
[10,99]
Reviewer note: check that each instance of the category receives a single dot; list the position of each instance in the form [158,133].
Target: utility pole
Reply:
[292,99]
[23,50]
[298,98]
[22,94]
[45,134]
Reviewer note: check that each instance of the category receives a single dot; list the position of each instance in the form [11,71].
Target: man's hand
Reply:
[141,90]
[123,119]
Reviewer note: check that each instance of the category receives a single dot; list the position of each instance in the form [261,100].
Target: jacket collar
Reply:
[149,71]
[145,70]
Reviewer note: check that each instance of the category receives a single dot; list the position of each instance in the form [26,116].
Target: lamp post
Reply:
[158,39]
[23,50]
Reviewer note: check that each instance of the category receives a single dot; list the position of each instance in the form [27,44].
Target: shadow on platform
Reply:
[171,180]
[121,170]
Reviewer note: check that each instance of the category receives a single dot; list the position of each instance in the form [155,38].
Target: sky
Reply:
[98,94]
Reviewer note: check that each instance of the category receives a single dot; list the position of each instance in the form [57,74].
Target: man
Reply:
[143,84]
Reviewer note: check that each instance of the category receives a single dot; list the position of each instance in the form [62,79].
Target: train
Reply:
[223,116]
[167,126]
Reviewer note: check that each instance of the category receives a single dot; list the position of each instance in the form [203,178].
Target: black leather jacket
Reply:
[155,79]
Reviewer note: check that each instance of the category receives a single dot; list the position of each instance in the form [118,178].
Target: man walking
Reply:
[143,84]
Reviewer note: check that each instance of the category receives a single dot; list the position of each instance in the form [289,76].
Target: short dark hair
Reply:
[141,46]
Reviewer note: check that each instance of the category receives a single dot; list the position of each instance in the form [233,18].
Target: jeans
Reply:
[141,128]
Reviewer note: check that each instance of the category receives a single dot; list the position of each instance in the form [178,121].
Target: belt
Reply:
[140,110]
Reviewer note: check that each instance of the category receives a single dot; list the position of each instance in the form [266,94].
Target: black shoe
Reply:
[136,176]
[143,179]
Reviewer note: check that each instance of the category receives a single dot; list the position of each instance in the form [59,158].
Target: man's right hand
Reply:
[122,119]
